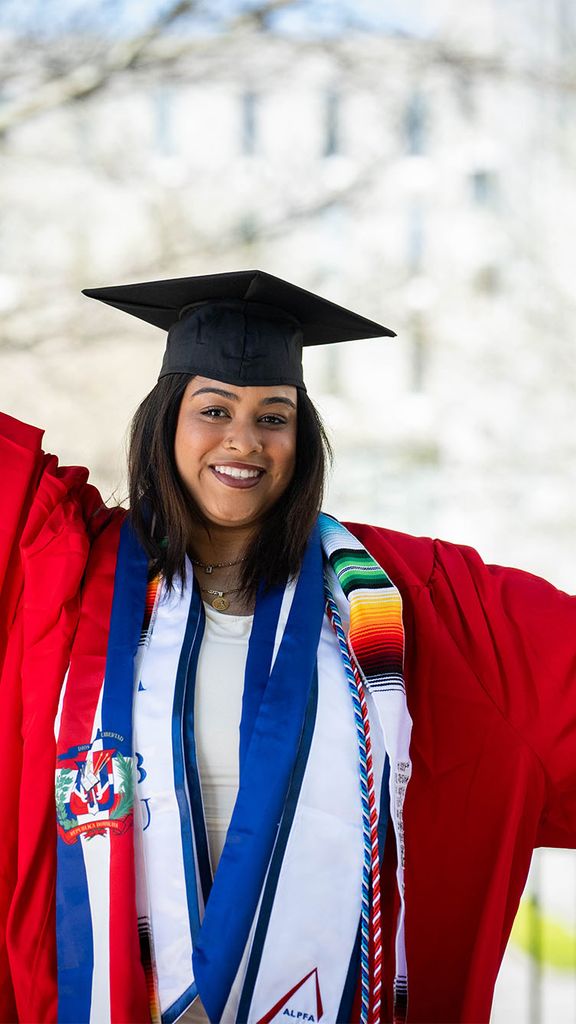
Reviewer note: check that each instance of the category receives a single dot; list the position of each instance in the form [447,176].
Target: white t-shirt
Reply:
[217,712]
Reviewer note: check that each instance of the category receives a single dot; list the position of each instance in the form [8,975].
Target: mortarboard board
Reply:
[242,328]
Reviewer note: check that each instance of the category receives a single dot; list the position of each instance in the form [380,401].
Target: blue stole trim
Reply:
[74,934]
[180,1005]
[130,581]
[259,661]
[269,757]
[185,722]
[278,855]
[384,812]
[186,780]
[346,1003]
[73,919]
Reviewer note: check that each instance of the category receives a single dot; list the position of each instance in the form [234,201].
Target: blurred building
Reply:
[417,180]
[424,181]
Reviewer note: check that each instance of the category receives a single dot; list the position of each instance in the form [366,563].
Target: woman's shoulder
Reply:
[442,564]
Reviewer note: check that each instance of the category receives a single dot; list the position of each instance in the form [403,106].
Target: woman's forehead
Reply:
[246,393]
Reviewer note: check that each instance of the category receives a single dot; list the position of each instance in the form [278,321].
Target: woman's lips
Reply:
[242,482]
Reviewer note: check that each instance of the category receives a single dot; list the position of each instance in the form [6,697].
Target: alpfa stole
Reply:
[275,930]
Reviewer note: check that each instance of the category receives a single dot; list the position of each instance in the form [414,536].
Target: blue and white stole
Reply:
[275,931]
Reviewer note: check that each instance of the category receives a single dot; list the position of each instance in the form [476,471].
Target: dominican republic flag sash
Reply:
[289,924]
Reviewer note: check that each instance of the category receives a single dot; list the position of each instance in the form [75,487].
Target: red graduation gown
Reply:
[491,683]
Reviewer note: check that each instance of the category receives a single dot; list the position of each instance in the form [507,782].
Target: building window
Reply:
[415,125]
[163,125]
[249,127]
[484,185]
[465,93]
[418,353]
[248,229]
[332,123]
[487,279]
[415,237]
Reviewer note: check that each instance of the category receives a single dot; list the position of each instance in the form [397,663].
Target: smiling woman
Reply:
[238,444]
[192,441]
[299,765]
[245,444]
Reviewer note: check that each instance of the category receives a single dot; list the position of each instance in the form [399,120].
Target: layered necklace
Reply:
[220,599]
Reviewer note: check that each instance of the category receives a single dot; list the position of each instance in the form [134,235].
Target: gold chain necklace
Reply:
[220,602]
[210,566]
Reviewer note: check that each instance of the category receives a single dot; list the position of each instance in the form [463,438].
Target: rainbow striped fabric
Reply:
[376,632]
[373,655]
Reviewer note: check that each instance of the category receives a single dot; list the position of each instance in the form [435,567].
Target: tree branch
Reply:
[86,79]
[82,81]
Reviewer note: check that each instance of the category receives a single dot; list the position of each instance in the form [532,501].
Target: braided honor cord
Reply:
[370,921]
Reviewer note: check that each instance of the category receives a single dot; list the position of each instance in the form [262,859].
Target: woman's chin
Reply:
[229,519]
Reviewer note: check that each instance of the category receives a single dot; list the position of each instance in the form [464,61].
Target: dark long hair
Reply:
[162,510]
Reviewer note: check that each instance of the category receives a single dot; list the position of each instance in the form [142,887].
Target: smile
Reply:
[235,476]
[240,474]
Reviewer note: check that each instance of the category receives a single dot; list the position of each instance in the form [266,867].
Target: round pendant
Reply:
[221,604]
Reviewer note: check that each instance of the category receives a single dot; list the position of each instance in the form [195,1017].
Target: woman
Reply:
[224,605]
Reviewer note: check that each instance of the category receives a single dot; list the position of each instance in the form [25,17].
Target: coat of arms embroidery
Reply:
[94,790]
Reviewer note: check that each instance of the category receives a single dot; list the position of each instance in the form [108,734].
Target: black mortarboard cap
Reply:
[242,328]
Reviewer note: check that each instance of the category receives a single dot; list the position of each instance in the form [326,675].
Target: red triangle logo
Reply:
[282,1002]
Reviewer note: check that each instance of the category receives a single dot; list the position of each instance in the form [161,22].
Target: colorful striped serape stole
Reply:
[373,656]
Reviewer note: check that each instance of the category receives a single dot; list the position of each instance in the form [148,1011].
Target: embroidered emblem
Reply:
[94,789]
[303,1002]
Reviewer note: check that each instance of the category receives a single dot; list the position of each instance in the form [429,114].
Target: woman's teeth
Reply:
[239,474]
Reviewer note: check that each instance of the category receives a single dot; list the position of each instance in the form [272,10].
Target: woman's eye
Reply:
[217,413]
[214,413]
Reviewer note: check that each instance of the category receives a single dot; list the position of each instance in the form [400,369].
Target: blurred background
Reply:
[412,160]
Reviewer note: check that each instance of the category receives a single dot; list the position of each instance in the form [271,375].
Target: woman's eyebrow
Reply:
[215,391]
[230,394]
[278,398]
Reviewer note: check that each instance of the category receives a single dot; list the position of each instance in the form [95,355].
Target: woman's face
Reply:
[235,448]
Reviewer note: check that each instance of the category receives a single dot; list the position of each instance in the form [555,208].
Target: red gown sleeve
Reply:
[490,673]
[519,634]
[48,516]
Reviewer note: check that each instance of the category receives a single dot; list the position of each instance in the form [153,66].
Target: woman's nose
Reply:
[244,438]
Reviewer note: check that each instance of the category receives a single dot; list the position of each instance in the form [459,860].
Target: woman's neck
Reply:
[217,557]
[219,545]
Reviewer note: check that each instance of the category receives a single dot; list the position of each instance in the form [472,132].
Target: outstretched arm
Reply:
[520,634]
[48,516]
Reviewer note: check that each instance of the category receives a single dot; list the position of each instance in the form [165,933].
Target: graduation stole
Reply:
[291,925]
